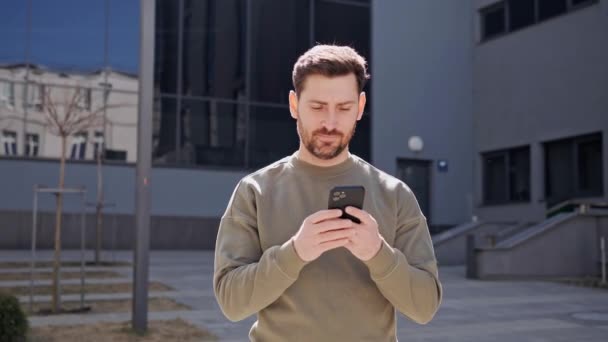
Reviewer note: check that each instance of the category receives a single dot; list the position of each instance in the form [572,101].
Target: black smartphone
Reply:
[341,197]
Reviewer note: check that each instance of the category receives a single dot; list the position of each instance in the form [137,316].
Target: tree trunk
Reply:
[58,212]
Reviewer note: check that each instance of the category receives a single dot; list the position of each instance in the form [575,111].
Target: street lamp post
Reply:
[144,160]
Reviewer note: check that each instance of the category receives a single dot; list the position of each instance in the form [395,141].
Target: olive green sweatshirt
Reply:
[336,297]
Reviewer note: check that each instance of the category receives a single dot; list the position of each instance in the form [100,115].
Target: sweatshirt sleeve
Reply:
[247,279]
[406,273]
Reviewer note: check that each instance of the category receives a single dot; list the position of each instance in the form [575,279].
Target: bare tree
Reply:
[65,119]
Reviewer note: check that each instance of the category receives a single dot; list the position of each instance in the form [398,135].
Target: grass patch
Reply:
[88,289]
[158,331]
[47,264]
[64,275]
[156,304]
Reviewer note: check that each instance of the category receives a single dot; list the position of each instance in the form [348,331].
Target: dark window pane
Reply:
[116,155]
[280,34]
[164,129]
[214,41]
[212,133]
[590,167]
[580,2]
[493,22]
[521,13]
[272,134]
[352,28]
[165,62]
[79,146]
[31,145]
[559,174]
[495,178]
[356,2]
[9,140]
[519,175]
[359,144]
[551,8]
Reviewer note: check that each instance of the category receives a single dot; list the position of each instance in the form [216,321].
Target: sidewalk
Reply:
[471,310]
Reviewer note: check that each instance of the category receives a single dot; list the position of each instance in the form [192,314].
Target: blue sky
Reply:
[69,34]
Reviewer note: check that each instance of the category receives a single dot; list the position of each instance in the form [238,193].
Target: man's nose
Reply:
[331,120]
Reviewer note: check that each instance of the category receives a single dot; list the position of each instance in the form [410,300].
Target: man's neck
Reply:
[306,156]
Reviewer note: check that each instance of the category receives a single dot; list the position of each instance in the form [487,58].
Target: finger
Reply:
[333,244]
[362,215]
[333,225]
[335,235]
[323,215]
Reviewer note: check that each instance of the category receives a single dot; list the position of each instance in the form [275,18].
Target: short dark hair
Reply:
[329,61]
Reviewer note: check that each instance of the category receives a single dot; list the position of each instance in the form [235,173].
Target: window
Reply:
[267,126]
[222,76]
[9,142]
[551,8]
[521,13]
[581,2]
[36,94]
[506,176]
[493,21]
[84,99]
[116,155]
[98,144]
[32,142]
[512,15]
[573,168]
[589,164]
[107,89]
[79,146]
[280,34]
[213,45]
[7,94]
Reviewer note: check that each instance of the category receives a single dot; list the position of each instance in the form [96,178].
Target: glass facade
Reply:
[223,76]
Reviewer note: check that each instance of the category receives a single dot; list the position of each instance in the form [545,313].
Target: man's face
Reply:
[327,111]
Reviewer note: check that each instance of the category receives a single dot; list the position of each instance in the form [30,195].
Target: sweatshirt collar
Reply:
[326,171]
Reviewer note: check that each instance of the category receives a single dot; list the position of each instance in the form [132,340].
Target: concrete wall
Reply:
[175,192]
[569,249]
[421,76]
[453,251]
[185,203]
[543,82]
[166,232]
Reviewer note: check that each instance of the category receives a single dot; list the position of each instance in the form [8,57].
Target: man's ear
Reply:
[362,100]
[293,104]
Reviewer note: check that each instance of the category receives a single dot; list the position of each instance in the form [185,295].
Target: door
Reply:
[417,175]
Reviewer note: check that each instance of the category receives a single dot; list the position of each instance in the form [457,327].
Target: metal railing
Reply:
[583,205]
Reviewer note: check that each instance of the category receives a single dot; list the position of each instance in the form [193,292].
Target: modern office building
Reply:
[488,109]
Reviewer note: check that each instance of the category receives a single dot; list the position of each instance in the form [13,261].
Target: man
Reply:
[307,273]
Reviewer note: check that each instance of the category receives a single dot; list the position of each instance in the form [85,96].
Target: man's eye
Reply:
[344,109]
[316,108]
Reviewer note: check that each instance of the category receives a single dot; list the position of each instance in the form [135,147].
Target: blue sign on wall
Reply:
[442,165]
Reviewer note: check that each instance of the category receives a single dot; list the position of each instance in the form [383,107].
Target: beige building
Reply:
[26,128]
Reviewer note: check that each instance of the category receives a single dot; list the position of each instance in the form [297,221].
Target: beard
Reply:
[322,149]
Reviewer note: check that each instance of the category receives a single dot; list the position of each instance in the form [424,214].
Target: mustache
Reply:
[324,131]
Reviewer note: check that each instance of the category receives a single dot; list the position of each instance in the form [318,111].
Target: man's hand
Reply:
[320,232]
[367,241]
